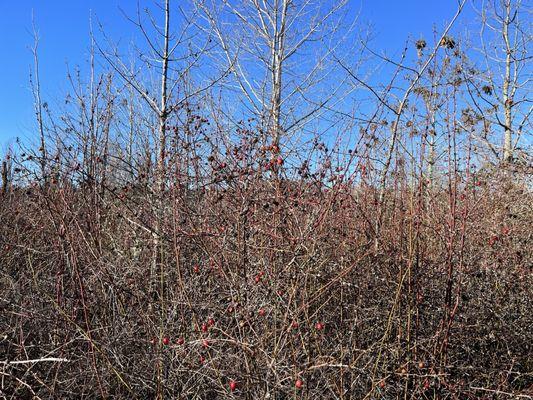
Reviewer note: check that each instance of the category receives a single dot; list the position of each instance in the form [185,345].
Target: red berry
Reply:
[294,325]
[166,341]
[261,312]
[202,359]
[204,327]
[232,385]
[382,384]
[319,326]
[205,343]
[196,268]
[299,383]
[257,279]
[211,322]
[181,341]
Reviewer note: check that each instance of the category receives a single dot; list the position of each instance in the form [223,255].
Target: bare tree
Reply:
[161,66]
[500,93]
[267,45]
[134,76]
[444,71]
[38,104]
[398,105]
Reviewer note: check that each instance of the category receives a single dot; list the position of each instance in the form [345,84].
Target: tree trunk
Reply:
[5,181]
[507,98]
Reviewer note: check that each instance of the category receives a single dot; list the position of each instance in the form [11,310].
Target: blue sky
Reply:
[63,27]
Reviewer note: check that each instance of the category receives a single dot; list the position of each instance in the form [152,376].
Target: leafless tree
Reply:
[500,91]
[267,44]
[397,104]
[38,104]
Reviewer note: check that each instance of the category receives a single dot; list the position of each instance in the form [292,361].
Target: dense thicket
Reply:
[224,240]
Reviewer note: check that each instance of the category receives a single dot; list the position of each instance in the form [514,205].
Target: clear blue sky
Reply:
[63,27]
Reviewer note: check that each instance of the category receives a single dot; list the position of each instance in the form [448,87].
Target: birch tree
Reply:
[500,87]
[278,51]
